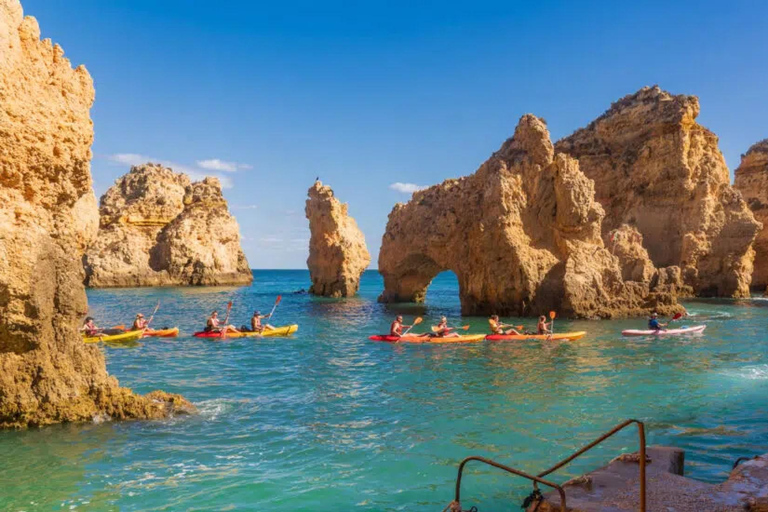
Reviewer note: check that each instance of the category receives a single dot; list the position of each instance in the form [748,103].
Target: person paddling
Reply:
[396,328]
[498,328]
[654,324]
[441,330]
[543,326]
[140,323]
[213,324]
[89,327]
[256,325]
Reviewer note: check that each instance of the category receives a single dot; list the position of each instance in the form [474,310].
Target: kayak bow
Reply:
[114,338]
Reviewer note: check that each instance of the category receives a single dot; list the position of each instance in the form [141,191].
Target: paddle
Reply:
[226,321]
[677,316]
[552,316]
[415,323]
[152,315]
[120,327]
[463,327]
[279,298]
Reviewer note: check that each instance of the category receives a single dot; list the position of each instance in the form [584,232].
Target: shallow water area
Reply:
[328,420]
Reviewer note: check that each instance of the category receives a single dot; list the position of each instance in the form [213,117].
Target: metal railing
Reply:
[539,478]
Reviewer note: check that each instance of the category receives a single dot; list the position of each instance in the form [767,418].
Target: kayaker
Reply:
[89,327]
[442,330]
[214,324]
[396,328]
[498,328]
[256,325]
[543,326]
[139,323]
[654,324]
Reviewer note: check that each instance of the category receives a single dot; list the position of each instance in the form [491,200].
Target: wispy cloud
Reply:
[194,173]
[214,164]
[406,188]
[244,207]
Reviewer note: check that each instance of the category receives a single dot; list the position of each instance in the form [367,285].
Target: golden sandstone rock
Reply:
[523,236]
[752,182]
[337,252]
[48,216]
[160,229]
[656,169]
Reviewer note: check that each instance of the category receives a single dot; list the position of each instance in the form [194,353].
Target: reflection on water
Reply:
[329,420]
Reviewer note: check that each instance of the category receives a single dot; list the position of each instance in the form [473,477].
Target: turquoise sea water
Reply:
[327,420]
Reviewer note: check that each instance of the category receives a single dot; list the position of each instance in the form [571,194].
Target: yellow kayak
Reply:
[285,330]
[558,336]
[114,338]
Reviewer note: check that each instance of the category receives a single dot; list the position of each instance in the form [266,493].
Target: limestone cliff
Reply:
[752,182]
[523,236]
[48,217]
[159,229]
[656,169]
[337,252]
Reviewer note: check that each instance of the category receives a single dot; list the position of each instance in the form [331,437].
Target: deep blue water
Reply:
[327,420]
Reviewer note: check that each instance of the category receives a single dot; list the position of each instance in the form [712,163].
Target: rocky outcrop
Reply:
[337,252]
[656,169]
[523,235]
[159,229]
[752,182]
[48,217]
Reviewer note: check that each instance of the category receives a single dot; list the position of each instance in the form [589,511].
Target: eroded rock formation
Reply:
[656,169]
[523,235]
[752,182]
[157,229]
[47,218]
[337,252]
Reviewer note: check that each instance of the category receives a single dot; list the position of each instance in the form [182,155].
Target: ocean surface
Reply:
[327,420]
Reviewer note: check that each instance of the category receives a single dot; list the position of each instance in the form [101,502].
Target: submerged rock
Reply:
[47,373]
[752,182]
[158,229]
[523,236]
[337,252]
[656,169]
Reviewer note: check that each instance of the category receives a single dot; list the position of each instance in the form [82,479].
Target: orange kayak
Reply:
[420,338]
[161,333]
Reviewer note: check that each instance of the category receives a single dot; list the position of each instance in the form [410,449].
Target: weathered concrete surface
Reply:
[616,487]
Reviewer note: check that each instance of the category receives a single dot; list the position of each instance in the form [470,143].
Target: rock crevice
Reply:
[157,228]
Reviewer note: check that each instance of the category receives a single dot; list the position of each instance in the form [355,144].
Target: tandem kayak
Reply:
[664,332]
[161,333]
[114,338]
[285,330]
[559,336]
[421,338]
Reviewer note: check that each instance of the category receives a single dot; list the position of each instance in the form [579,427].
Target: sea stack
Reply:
[752,182]
[656,169]
[523,236]
[49,215]
[157,228]
[337,252]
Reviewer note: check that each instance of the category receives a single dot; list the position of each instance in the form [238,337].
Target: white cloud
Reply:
[195,174]
[244,207]
[406,188]
[214,164]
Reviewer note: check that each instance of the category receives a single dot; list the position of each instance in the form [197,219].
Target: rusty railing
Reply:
[539,478]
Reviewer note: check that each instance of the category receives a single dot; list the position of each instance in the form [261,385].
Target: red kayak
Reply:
[423,338]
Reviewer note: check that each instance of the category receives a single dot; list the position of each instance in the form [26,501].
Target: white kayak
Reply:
[664,332]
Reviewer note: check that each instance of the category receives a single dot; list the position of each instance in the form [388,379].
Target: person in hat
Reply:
[140,323]
[256,325]
[654,324]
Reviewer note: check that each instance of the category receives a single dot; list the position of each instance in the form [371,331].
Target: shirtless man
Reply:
[256,325]
[213,324]
[543,326]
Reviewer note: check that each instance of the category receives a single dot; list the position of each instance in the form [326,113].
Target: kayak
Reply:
[114,338]
[664,332]
[421,338]
[161,333]
[558,336]
[285,330]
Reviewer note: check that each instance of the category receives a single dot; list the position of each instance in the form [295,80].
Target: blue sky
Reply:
[369,94]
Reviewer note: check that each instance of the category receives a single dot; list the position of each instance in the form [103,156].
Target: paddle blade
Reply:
[229,305]
[464,327]
[279,298]
[552,315]
[121,327]
[519,327]
[677,316]
[418,320]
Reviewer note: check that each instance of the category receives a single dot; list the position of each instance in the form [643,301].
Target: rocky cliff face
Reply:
[159,229]
[662,173]
[752,182]
[337,252]
[523,235]
[48,217]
